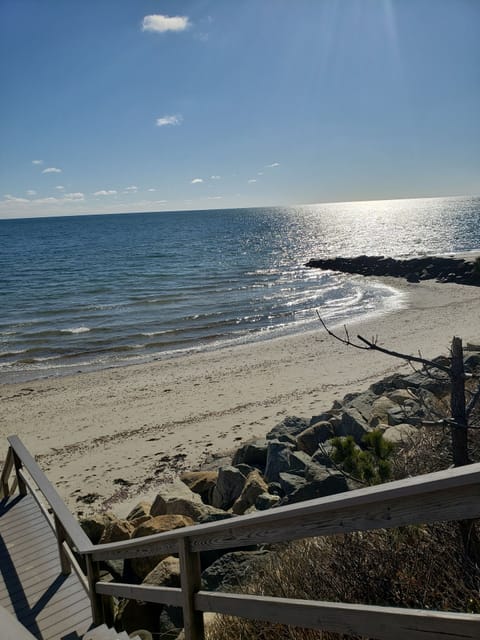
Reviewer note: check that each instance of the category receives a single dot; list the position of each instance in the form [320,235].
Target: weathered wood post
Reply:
[61,538]
[190,575]
[96,601]
[457,405]
[22,487]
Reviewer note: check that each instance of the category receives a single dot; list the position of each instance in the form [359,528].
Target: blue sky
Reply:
[146,105]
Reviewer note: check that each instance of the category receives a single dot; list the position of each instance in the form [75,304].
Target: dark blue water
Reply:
[93,291]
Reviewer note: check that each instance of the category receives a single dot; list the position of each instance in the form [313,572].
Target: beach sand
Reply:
[108,438]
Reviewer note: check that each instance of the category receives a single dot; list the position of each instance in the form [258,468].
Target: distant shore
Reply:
[109,436]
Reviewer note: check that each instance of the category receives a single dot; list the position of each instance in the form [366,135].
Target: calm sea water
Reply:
[94,291]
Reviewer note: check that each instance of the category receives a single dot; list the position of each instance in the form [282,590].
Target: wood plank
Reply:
[171,596]
[70,524]
[191,578]
[381,623]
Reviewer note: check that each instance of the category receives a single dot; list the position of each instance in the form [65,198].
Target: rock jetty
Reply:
[442,269]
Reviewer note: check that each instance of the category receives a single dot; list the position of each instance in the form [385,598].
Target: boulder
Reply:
[266,501]
[170,493]
[251,453]
[400,433]
[117,530]
[323,455]
[134,614]
[278,459]
[158,524]
[309,439]
[230,570]
[254,487]
[201,482]
[380,409]
[319,482]
[165,574]
[140,510]
[196,510]
[95,525]
[362,402]
[290,426]
[229,486]
[352,424]
[298,462]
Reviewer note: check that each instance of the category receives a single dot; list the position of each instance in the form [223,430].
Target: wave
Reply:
[76,330]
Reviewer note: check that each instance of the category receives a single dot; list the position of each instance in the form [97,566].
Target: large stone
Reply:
[229,486]
[324,454]
[309,439]
[317,484]
[254,487]
[290,426]
[352,424]
[252,453]
[400,433]
[170,493]
[201,482]
[197,511]
[95,525]
[140,510]
[165,574]
[158,524]
[135,614]
[278,460]
[380,409]
[266,501]
[362,402]
[117,530]
[231,569]
[298,462]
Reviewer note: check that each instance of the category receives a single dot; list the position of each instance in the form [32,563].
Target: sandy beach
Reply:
[107,438]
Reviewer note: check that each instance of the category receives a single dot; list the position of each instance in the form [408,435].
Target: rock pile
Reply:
[413,270]
[292,463]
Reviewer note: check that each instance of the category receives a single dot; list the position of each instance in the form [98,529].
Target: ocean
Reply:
[87,292]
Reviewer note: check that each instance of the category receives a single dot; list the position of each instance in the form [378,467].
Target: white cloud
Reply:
[151,189]
[105,192]
[52,170]
[31,192]
[214,197]
[260,173]
[161,24]
[37,161]
[270,166]
[60,187]
[215,177]
[165,121]
[77,195]
[252,180]
[132,189]
[9,198]
[197,180]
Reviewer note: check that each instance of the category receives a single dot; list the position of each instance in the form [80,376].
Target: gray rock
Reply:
[254,486]
[165,574]
[278,459]
[322,417]
[251,453]
[317,484]
[230,570]
[362,402]
[400,433]
[323,455]
[245,469]
[290,426]
[198,511]
[353,424]
[266,501]
[298,462]
[291,482]
[170,493]
[228,488]
[275,489]
[309,439]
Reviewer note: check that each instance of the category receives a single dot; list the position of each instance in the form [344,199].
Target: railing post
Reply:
[61,537]
[190,575]
[7,467]
[96,601]
[22,487]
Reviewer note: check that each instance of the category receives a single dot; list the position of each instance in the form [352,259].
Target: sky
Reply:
[156,105]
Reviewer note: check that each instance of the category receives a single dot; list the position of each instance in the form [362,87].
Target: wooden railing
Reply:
[453,494]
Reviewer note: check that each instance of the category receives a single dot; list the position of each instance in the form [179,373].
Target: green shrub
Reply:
[370,464]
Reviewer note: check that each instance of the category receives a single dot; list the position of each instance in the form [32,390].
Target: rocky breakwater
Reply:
[295,461]
[442,269]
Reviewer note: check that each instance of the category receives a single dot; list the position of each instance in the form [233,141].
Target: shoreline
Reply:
[111,436]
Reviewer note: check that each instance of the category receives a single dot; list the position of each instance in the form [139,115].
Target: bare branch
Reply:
[346,340]
[402,356]
[473,401]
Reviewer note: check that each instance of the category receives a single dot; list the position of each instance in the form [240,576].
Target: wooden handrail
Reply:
[59,508]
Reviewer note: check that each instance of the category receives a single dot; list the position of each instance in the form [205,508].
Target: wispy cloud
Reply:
[9,198]
[60,187]
[166,121]
[160,23]
[105,192]
[52,170]
[197,180]
[214,197]
[37,161]
[131,189]
[151,189]
[31,192]
[215,177]
[252,180]
[270,166]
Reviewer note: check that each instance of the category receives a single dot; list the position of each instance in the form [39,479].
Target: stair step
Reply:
[104,633]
